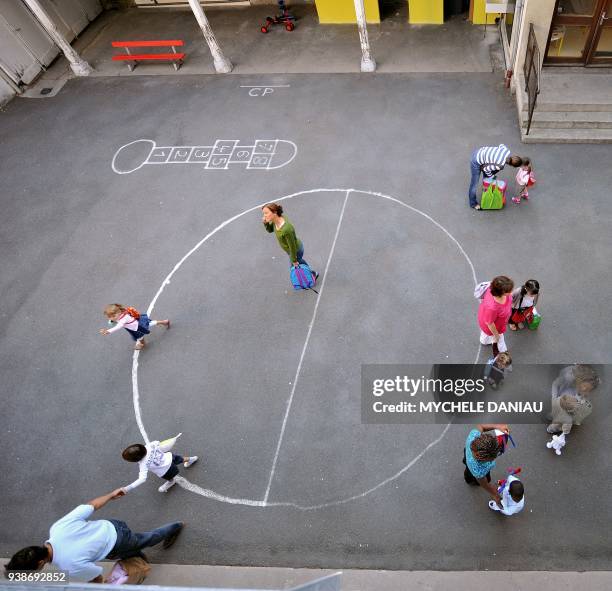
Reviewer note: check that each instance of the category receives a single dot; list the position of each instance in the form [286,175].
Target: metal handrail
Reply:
[531,71]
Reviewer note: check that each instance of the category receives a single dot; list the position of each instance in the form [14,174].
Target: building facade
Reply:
[549,48]
[558,57]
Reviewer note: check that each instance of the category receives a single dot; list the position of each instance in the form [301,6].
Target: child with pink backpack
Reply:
[135,322]
[524,179]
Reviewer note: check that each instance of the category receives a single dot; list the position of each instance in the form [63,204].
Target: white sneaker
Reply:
[191,461]
[166,486]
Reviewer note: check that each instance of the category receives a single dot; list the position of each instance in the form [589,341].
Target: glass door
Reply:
[572,32]
[601,48]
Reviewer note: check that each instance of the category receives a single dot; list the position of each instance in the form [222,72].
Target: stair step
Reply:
[595,106]
[575,90]
[570,119]
[567,136]
[588,107]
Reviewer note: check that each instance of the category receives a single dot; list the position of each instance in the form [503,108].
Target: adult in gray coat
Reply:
[570,400]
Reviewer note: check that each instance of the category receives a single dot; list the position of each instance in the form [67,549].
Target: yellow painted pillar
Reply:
[426,12]
[340,12]
[479,14]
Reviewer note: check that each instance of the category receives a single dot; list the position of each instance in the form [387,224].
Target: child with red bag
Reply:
[524,300]
[524,179]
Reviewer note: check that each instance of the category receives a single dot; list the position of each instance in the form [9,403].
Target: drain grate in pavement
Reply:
[46,90]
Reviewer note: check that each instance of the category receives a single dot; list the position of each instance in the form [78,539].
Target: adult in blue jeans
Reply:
[76,544]
[274,221]
[489,160]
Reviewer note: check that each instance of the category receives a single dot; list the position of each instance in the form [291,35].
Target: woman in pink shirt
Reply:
[494,313]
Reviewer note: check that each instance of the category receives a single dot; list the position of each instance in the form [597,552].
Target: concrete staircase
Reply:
[574,106]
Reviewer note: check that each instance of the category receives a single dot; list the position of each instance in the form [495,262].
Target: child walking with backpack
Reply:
[524,179]
[156,457]
[524,300]
[135,322]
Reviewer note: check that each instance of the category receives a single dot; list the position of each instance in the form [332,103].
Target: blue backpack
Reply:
[302,277]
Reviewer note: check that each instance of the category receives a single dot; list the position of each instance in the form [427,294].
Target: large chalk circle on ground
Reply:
[233,365]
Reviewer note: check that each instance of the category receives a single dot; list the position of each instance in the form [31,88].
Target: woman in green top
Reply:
[274,221]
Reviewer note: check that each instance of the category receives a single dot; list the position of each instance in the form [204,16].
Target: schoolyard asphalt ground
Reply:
[338,494]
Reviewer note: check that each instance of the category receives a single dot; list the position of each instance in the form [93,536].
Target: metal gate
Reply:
[25,47]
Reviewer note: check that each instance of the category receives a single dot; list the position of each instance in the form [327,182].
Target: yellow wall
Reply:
[428,12]
[478,15]
[419,12]
[343,11]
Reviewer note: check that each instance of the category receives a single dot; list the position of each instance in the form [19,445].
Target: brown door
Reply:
[601,48]
[580,32]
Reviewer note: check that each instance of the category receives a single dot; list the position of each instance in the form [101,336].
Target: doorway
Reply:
[580,33]
[392,8]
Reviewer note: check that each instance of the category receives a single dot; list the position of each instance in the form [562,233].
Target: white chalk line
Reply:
[210,494]
[434,222]
[117,171]
[299,367]
[136,397]
[186,484]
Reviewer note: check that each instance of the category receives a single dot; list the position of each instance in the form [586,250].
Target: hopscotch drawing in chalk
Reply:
[261,155]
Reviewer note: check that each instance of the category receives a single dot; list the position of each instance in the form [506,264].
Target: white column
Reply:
[79,66]
[222,64]
[367,61]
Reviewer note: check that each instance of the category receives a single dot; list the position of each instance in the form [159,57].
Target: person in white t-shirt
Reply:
[512,495]
[76,544]
[156,457]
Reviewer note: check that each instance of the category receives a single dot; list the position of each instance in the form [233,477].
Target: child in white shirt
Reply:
[156,457]
[512,496]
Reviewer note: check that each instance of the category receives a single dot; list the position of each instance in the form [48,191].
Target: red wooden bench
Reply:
[175,57]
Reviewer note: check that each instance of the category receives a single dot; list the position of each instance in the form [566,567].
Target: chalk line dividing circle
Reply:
[262,154]
[210,494]
[296,378]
